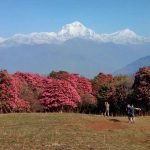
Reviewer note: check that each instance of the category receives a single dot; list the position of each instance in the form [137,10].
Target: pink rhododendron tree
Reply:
[35,81]
[9,95]
[142,89]
[83,87]
[59,95]
[62,75]
[30,87]
[82,84]
[103,81]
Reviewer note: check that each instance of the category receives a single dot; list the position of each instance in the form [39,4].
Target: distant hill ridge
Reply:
[133,67]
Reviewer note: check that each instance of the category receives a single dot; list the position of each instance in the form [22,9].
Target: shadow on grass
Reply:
[114,120]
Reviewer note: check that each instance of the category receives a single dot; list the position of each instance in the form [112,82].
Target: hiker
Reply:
[106,109]
[130,113]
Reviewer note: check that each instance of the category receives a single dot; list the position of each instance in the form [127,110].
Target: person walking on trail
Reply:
[106,109]
[130,113]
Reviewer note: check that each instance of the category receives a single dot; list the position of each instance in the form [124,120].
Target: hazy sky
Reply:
[103,16]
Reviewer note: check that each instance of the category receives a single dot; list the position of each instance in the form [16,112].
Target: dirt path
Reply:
[107,125]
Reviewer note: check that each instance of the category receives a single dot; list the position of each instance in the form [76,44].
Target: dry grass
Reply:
[68,131]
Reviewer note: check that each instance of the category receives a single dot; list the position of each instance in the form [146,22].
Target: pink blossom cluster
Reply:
[82,85]
[20,92]
[9,95]
[59,95]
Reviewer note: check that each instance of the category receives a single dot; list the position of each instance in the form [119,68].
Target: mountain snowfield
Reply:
[75,48]
[74,30]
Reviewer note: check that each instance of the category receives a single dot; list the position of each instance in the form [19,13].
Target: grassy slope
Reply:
[53,131]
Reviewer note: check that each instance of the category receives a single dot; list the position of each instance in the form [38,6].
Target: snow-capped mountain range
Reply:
[75,48]
[74,30]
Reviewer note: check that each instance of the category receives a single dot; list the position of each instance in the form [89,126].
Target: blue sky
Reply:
[103,16]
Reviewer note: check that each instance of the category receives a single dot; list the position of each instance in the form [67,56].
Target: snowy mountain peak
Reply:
[75,29]
[127,33]
[75,24]
[125,36]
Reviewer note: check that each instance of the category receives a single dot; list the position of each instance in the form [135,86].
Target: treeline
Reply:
[63,91]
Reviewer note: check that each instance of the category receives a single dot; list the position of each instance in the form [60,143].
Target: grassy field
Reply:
[68,131]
